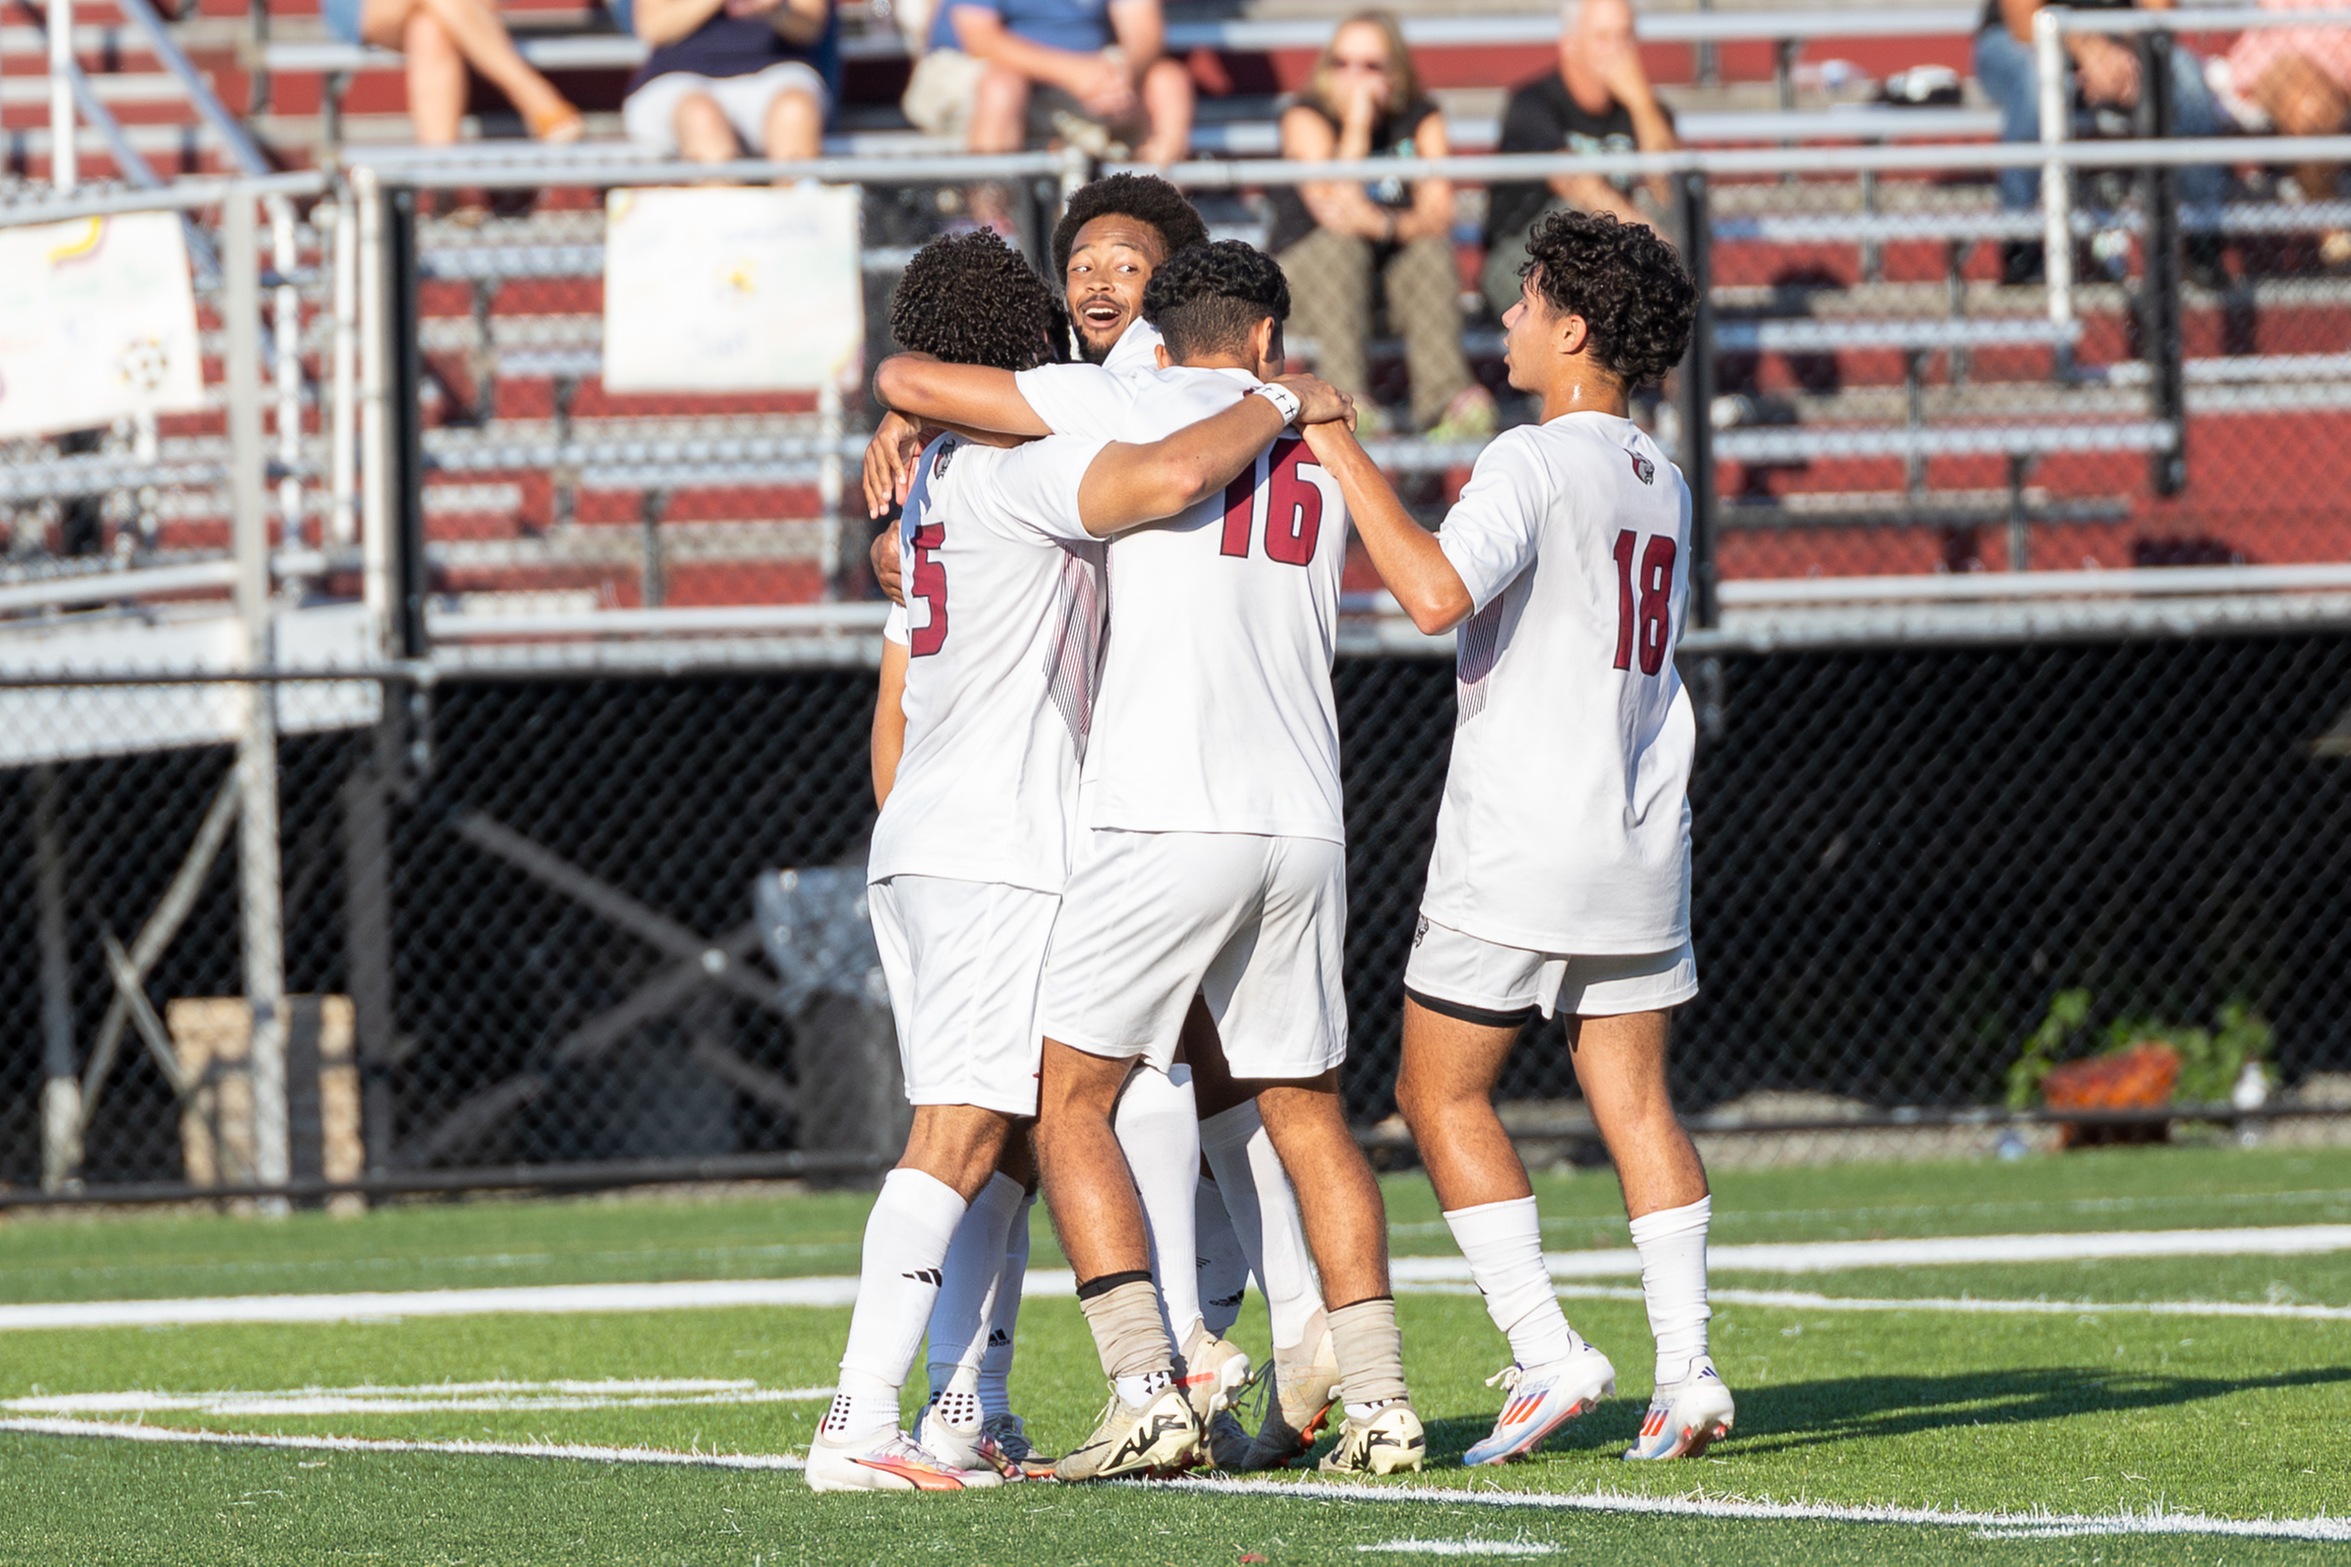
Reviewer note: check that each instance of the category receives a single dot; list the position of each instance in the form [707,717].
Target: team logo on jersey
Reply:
[1643,468]
[1420,931]
[946,455]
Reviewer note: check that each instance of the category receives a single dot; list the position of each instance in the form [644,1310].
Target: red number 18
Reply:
[1644,603]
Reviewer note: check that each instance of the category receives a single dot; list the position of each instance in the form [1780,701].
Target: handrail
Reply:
[620,51]
[234,139]
[179,196]
[424,173]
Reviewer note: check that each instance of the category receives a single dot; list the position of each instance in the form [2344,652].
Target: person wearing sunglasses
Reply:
[1336,238]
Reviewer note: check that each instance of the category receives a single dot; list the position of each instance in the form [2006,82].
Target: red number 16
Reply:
[1293,508]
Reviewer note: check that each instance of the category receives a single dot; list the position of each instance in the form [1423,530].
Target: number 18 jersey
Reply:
[1565,824]
[1215,712]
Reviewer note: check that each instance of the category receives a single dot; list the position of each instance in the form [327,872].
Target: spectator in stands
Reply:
[441,38]
[1334,238]
[2295,81]
[731,77]
[1599,100]
[1088,72]
[2105,77]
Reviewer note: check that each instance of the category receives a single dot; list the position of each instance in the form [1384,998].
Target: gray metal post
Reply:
[257,747]
[61,1090]
[2159,248]
[2056,174]
[1697,412]
[380,576]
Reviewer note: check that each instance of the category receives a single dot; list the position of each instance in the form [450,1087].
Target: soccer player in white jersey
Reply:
[972,846]
[1212,860]
[1208,1230]
[1561,877]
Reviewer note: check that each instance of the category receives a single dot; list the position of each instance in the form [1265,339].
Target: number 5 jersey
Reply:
[1565,825]
[1002,624]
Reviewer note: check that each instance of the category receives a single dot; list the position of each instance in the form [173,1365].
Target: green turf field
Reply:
[2037,1434]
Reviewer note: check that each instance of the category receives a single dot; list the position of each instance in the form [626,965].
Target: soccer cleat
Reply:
[1004,1443]
[1541,1400]
[1687,1418]
[1212,1375]
[1229,1445]
[1298,1398]
[891,1463]
[1385,1442]
[951,1430]
[1158,1439]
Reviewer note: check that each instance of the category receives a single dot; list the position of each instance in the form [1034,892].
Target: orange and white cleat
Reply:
[1539,1400]
[891,1463]
[1687,1418]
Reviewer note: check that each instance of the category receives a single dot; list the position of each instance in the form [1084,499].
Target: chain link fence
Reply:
[596,925]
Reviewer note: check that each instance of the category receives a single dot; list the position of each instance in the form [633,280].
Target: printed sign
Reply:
[731,290]
[97,323]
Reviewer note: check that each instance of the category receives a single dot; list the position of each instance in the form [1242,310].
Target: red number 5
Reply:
[928,582]
[1293,508]
[1644,603]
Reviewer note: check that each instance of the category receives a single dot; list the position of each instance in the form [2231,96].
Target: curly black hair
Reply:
[1208,299]
[1148,199]
[1623,280]
[971,299]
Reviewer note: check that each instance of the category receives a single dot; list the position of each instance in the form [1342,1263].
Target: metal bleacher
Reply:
[540,484]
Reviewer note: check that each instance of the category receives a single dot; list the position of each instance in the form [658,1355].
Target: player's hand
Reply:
[884,559]
[889,464]
[1319,402]
[1330,438]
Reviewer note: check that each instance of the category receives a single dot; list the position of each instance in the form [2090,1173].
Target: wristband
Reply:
[1282,398]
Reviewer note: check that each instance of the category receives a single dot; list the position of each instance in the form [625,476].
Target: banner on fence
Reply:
[719,290]
[97,323]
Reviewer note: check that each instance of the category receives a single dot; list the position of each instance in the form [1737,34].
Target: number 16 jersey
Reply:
[1216,712]
[1565,824]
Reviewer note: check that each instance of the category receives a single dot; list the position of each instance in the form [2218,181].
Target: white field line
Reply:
[1989,1525]
[1409,1273]
[2011,1525]
[1966,1305]
[428,1398]
[119,1431]
[1458,1548]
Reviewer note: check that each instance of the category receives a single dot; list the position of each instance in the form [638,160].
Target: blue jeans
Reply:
[2005,66]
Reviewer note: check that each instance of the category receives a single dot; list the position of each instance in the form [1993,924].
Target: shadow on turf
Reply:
[1806,1414]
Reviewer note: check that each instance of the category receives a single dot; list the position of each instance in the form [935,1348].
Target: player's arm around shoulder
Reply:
[921,391]
[1408,557]
[1128,484]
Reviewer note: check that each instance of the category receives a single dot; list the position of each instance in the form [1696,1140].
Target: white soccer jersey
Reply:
[1093,400]
[1216,712]
[1565,826]
[1002,622]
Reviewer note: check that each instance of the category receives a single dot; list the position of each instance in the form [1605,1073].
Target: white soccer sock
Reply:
[1504,1244]
[1672,1243]
[975,1262]
[906,1239]
[1264,1209]
[1004,1315]
[1224,1266]
[1158,1125]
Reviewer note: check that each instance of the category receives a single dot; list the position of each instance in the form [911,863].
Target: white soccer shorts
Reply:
[1258,924]
[963,960]
[1480,981]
